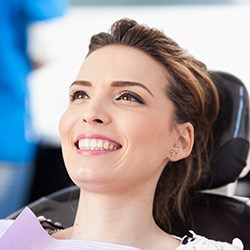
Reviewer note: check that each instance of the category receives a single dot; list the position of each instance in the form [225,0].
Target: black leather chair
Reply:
[230,132]
[218,217]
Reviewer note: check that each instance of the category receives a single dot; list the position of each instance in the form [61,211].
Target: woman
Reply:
[136,130]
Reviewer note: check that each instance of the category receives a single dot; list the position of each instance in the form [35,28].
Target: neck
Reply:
[119,219]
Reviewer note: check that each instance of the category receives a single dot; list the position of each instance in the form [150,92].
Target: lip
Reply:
[95,136]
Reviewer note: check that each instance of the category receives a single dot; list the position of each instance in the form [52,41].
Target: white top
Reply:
[26,233]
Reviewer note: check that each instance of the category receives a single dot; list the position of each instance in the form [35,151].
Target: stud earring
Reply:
[173,153]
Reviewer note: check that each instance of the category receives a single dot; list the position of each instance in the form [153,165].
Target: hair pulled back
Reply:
[195,99]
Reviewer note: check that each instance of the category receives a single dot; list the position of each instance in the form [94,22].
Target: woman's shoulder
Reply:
[198,242]
[192,242]
[29,232]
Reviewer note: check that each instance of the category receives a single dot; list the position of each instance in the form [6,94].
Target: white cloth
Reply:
[201,243]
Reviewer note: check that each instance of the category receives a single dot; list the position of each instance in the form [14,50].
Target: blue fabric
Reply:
[16,144]
[14,187]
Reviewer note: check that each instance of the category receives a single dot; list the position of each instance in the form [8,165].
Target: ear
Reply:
[184,143]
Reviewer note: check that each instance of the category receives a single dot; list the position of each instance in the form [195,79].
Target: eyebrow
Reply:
[130,83]
[81,83]
[114,84]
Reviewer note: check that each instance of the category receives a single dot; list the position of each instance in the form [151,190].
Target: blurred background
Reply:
[214,31]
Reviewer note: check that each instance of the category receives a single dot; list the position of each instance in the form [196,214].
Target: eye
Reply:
[130,97]
[78,95]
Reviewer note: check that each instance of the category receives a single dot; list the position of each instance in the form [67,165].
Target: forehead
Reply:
[119,62]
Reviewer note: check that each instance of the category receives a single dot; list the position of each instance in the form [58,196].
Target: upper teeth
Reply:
[96,144]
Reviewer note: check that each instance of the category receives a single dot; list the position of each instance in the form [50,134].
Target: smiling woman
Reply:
[137,128]
[113,108]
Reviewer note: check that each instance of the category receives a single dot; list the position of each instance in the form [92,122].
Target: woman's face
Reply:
[118,128]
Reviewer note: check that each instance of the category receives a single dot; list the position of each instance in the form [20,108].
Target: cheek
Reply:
[151,132]
[65,129]
[134,127]
[158,137]
[65,125]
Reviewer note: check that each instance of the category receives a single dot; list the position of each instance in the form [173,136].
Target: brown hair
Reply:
[195,99]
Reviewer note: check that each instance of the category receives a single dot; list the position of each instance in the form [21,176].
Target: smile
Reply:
[97,144]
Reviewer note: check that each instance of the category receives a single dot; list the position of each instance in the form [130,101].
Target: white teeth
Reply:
[85,143]
[96,144]
[106,145]
[99,144]
[93,143]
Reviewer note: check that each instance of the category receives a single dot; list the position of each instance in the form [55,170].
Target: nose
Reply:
[96,114]
[93,120]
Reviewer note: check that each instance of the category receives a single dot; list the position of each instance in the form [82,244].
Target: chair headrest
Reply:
[230,132]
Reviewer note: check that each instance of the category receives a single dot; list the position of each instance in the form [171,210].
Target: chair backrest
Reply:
[230,132]
[215,216]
